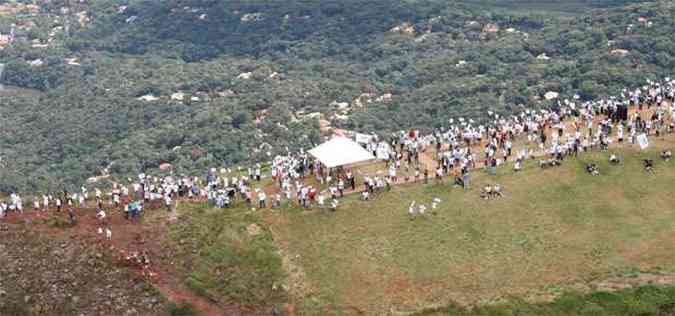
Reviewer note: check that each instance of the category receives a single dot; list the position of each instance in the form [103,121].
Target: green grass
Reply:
[554,227]
[647,300]
[553,230]
[222,261]
[186,309]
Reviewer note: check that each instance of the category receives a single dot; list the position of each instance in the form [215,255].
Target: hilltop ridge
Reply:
[131,85]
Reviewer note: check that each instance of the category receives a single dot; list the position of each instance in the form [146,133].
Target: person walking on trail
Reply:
[466,178]
[439,175]
[277,201]
[71,217]
[341,187]
[321,200]
[262,199]
[167,202]
[45,202]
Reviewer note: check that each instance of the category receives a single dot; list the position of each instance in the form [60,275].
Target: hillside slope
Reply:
[123,86]
[552,232]
[558,242]
[56,275]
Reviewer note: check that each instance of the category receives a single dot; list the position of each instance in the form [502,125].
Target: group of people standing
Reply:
[567,129]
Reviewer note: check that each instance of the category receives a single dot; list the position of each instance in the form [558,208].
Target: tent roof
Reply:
[340,151]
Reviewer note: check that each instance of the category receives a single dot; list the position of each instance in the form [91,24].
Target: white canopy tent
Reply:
[340,151]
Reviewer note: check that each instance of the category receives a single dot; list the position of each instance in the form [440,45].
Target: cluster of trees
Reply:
[65,120]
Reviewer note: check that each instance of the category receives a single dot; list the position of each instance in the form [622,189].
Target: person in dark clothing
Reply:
[71,217]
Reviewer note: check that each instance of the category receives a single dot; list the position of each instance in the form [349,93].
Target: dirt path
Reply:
[130,237]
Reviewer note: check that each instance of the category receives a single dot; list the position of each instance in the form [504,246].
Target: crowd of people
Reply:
[568,129]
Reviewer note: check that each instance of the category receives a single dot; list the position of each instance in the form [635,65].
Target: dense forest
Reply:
[122,86]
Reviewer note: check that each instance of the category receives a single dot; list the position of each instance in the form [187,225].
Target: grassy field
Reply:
[554,230]
[225,262]
[646,300]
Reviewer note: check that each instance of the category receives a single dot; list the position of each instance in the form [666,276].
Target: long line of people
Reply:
[567,129]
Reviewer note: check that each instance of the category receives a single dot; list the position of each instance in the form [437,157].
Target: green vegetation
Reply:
[64,121]
[551,246]
[174,309]
[223,261]
[554,229]
[547,6]
[648,300]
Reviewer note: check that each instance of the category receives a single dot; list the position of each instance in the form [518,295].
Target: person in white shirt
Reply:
[101,215]
[334,205]
[262,199]
[392,173]
[45,202]
[434,203]
[321,200]
[422,209]
[167,202]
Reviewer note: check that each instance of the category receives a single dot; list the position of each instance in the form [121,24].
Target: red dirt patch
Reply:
[129,237]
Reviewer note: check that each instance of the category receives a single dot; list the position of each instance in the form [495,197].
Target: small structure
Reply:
[36,62]
[490,28]
[619,52]
[178,96]
[340,151]
[72,61]
[543,56]
[245,75]
[405,28]
[551,95]
[252,17]
[148,98]
[385,98]
[4,40]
